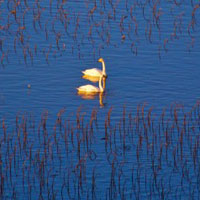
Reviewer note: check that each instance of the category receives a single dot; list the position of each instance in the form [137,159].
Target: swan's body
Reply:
[91,88]
[96,72]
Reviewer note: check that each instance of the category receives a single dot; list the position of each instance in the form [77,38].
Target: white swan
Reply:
[96,72]
[91,88]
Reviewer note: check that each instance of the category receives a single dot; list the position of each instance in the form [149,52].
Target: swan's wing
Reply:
[92,72]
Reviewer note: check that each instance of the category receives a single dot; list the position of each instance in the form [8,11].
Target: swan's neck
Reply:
[100,86]
[104,68]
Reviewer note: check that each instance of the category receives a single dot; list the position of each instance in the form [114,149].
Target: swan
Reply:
[85,89]
[94,72]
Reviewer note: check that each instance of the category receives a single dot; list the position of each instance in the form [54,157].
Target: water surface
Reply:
[151,51]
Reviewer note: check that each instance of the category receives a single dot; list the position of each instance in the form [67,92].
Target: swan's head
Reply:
[100,60]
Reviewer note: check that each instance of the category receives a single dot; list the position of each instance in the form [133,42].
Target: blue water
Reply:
[159,74]
[132,78]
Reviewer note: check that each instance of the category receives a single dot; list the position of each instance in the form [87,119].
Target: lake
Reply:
[140,135]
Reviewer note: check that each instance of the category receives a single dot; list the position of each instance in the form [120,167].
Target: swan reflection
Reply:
[92,96]
[91,78]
